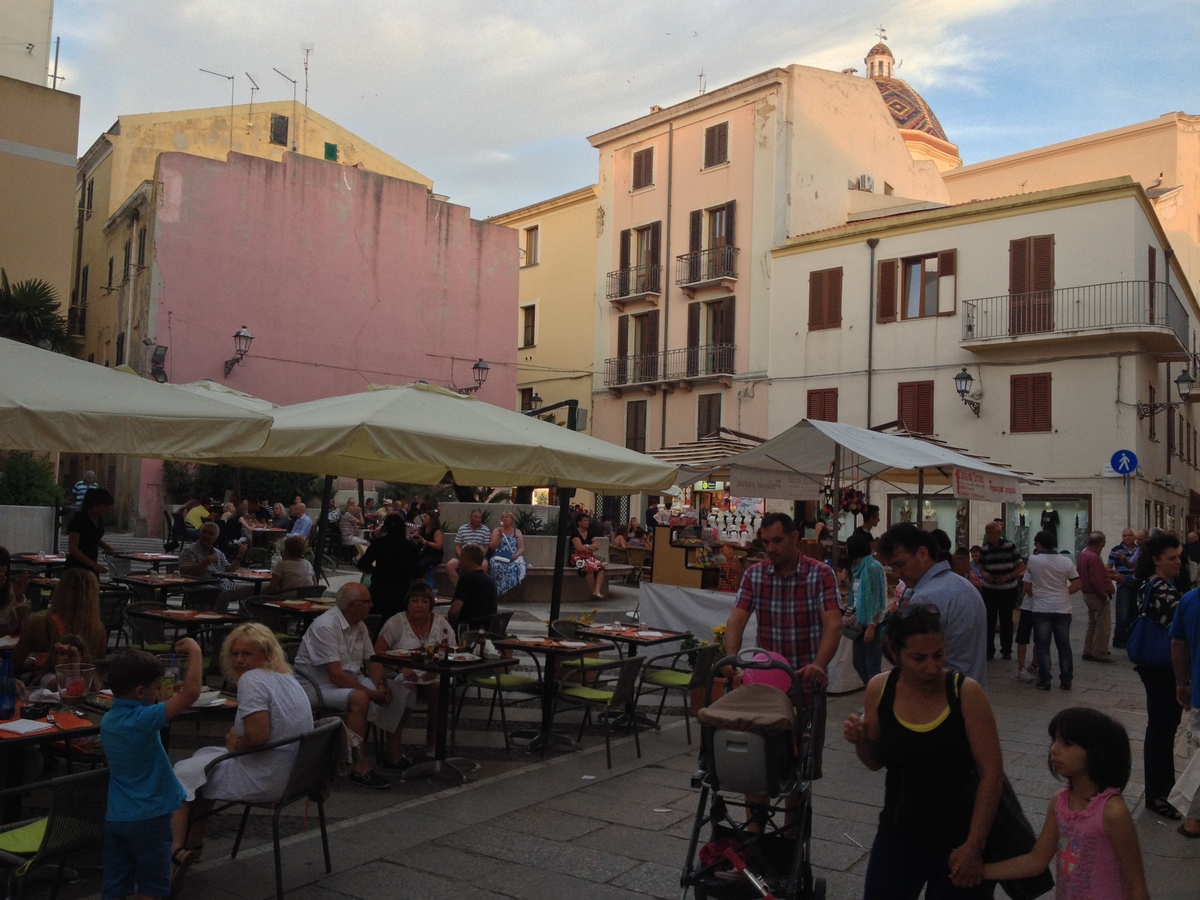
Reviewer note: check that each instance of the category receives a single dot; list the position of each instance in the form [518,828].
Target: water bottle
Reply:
[8,687]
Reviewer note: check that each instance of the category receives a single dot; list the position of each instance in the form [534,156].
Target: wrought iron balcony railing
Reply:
[634,280]
[670,365]
[77,320]
[706,265]
[1128,305]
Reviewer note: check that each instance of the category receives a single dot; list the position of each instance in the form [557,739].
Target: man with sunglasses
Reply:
[912,556]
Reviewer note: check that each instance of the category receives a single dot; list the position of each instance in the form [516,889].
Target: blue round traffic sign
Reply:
[1124,462]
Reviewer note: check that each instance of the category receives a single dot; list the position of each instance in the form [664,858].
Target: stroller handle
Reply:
[751,658]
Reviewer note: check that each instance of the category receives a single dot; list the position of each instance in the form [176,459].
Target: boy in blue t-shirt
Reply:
[143,791]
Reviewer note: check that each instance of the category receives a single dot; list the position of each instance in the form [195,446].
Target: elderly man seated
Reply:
[334,654]
[204,558]
[302,525]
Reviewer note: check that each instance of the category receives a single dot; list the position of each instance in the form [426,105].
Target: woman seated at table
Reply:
[351,525]
[641,538]
[271,707]
[620,538]
[74,609]
[280,518]
[417,626]
[293,571]
[585,544]
[85,534]
[14,605]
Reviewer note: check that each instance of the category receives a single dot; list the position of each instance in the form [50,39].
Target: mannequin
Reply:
[905,512]
[1050,519]
[1021,513]
[930,515]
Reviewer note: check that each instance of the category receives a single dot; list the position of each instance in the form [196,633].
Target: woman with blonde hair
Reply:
[271,707]
[74,609]
[351,525]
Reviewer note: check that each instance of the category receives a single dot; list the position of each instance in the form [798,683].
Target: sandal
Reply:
[1161,807]
[1191,835]
[181,861]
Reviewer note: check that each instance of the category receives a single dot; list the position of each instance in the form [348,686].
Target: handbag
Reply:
[431,557]
[1149,643]
[850,627]
[1012,835]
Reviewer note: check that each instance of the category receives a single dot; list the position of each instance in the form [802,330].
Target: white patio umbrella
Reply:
[215,391]
[49,402]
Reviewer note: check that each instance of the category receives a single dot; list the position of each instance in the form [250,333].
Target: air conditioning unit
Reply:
[866,183]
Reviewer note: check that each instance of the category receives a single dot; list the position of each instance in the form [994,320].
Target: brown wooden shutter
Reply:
[693,339]
[1019,403]
[914,406]
[1042,269]
[622,349]
[626,240]
[885,304]
[650,345]
[635,425]
[727,314]
[1029,402]
[816,300]
[833,298]
[1018,266]
[947,263]
[723,142]
[708,415]
[729,210]
[823,405]
[710,146]
[653,276]
[695,239]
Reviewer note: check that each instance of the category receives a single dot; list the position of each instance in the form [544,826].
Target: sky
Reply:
[494,100]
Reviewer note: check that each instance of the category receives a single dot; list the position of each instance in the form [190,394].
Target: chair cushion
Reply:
[507,682]
[592,695]
[670,678]
[584,662]
[24,841]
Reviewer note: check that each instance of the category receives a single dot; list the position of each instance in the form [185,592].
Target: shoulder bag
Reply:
[1149,643]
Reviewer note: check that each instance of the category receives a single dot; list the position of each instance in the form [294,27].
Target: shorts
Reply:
[1025,626]
[137,852]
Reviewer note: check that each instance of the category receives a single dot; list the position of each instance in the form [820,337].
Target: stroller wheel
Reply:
[818,889]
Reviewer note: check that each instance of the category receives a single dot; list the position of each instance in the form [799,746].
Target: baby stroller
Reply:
[756,740]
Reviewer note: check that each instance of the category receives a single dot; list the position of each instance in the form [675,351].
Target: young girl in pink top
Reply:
[1087,824]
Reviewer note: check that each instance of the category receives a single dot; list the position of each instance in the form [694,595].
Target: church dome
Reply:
[908,108]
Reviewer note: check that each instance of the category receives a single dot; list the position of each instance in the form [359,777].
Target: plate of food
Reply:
[462,657]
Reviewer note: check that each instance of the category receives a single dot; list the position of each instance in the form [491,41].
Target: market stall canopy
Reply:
[52,402]
[419,433]
[796,463]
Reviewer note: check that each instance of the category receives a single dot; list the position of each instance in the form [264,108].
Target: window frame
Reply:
[920,395]
[827,280]
[641,174]
[716,145]
[637,415]
[1025,387]
[532,245]
[821,397]
[272,132]
[528,326]
[705,414]
[525,398]
[328,146]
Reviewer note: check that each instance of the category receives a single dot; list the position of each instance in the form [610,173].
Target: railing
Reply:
[706,265]
[77,320]
[1115,304]
[670,365]
[645,279]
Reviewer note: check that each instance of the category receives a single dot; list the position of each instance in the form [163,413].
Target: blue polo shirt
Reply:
[1186,627]
[142,785]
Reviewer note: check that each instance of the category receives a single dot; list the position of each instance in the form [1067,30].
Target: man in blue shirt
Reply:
[1185,659]
[302,525]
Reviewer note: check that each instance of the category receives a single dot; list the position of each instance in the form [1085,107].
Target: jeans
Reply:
[1058,625]
[137,856]
[1163,713]
[899,869]
[1000,605]
[868,658]
[1126,611]
[1099,627]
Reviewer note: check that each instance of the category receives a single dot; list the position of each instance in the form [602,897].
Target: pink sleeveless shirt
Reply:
[1087,863]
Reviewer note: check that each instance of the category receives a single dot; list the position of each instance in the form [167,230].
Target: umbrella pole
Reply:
[323,525]
[920,498]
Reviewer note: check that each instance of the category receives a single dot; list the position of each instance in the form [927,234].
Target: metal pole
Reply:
[323,525]
[1129,501]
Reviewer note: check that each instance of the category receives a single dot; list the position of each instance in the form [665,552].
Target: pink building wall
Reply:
[345,278]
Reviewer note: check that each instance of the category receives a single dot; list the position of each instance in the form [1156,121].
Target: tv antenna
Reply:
[231,86]
[253,87]
[307,47]
[702,80]
[293,81]
[881,33]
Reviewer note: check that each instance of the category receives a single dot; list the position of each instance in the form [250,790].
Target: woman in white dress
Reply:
[272,706]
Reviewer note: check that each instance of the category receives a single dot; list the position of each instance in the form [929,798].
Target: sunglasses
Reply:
[912,609]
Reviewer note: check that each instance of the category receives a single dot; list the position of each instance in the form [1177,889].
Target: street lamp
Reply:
[241,346]
[962,384]
[480,373]
[1183,384]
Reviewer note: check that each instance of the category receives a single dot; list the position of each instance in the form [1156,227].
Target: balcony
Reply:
[634,283]
[77,320]
[707,268]
[711,362]
[1147,311]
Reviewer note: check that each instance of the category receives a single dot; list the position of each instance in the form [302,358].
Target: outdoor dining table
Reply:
[634,636]
[264,537]
[554,649]
[190,620]
[17,735]
[446,667]
[155,560]
[49,561]
[165,584]
[257,577]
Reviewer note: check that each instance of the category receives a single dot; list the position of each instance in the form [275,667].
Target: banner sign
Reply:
[772,485]
[969,485]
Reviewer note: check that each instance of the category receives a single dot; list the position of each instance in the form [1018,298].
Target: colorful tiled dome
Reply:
[907,107]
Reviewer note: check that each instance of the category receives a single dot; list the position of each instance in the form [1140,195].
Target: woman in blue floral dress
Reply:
[507,565]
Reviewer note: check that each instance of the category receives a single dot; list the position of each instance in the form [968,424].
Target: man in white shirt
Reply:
[1050,580]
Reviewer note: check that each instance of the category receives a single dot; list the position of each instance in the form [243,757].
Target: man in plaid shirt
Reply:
[796,602]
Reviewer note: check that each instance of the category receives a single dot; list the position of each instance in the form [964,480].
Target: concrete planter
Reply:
[25,528]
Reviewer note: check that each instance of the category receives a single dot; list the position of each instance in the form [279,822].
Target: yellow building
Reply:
[113,188]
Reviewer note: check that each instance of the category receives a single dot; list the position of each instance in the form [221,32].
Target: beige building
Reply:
[25,41]
[39,129]
[694,197]
[113,185]
[1066,308]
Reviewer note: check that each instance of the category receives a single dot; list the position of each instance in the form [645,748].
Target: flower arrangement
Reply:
[718,635]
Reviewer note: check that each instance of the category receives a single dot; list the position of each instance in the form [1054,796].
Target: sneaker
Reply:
[1043,685]
[371,780]
[1023,675]
[1066,686]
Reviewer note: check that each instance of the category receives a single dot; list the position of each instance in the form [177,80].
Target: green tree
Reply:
[28,480]
[29,313]
[185,481]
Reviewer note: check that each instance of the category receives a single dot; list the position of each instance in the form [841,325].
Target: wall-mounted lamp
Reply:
[158,360]
[962,384]
[536,399]
[480,372]
[1183,384]
[241,346]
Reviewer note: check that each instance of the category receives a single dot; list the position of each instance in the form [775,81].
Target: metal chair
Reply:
[671,677]
[496,624]
[273,617]
[74,825]
[207,598]
[569,630]
[150,634]
[501,684]
[611,699]
[313,769]
[112,613]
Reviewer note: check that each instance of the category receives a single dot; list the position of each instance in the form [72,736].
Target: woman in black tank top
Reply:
[935,733]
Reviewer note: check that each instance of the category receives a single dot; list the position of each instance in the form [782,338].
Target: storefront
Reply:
[943,511]
[1066,516]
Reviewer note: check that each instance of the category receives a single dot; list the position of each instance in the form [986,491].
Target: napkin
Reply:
[25,726]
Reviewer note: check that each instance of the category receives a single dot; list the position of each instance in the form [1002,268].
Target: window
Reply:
[91,189]
[121,348]
[708,415]
[279,129]
[531,246]
[914,406]
[1029,403]
[528,326]
[526,395]
[639,267]
[1031,285]
[637,347]
[127,256]
[110,272]
[635,425]
[917,287]
[823,405]
[331,151]
[710,337]
[716,145]
[141,253]
[712,250]
[643,168]
[825,299]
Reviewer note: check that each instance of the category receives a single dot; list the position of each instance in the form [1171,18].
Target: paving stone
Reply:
[554,825]
[651,879]
[382,879]
[619,813]
[550,856]
[643,844]
[450,862]
[528,883]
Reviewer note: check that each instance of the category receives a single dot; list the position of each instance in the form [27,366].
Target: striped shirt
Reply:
[1001,562]
[789,608]
[468,535]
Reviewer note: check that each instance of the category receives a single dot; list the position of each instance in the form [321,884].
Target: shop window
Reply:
[823,405]
[127,256]
[914,406]
[1067,518]
[643,168]
[1029,403]
[825,299]
[635,425]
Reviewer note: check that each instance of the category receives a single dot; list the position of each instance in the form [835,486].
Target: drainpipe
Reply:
[666,312]
[872,243]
